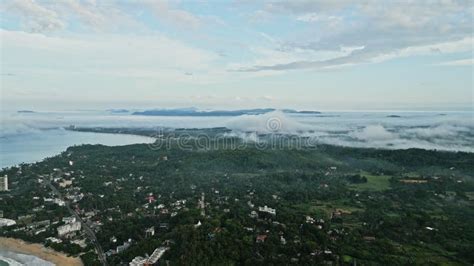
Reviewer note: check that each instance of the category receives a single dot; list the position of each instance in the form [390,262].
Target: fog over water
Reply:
[27,137]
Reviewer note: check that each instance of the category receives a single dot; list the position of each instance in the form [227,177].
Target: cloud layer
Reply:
[451,131]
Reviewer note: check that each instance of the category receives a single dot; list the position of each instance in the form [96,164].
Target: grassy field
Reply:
[374,182]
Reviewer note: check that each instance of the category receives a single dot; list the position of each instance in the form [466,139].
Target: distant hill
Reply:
[195,112]
[25,112]
[118,111]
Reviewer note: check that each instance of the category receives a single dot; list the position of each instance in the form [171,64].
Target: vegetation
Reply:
[344,205]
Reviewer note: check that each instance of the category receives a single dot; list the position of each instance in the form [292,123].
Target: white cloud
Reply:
[273,122]
[385,30]
[461,62]
[374,133]
[111,52]
[34,16]
[181,18]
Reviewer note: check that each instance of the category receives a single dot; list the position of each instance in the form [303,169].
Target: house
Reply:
[198,224]
[309,220]
[261,238]
[80,242]
[369,238]
[6,222]
[150,231]
[253,214]
[266,209]
[69,220]
[59,202]
[68,228]
[54,240]
[125,246]
[65,183]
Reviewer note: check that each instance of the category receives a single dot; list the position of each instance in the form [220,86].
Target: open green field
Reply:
[374,183]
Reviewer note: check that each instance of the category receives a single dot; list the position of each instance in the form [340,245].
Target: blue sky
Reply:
[232,54]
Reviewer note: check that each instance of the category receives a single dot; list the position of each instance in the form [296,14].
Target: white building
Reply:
[65,183]
[4,183]
[153,259]
[54,240]
[150,231]
[70,219]
[156,255]
[6,222]
[69,228]
[138,261]
[59,202]
[266,209]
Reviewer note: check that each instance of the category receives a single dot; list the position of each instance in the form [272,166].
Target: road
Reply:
[87,230]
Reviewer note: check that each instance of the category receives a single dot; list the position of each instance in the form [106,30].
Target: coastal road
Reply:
[87,230]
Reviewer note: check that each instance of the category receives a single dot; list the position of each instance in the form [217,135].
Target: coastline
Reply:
[38,250]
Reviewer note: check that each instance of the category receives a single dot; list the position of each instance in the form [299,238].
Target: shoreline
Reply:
[38,250]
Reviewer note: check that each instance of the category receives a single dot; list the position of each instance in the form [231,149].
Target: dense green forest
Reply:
[332,204]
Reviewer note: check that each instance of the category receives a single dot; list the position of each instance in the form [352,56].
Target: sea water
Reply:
[17,259]
[33,146]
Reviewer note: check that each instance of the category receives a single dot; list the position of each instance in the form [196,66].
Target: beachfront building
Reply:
[6,222]
[69,228]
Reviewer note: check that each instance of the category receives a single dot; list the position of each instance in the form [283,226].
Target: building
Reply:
[150,231]
[69,228]
[4,183]
[43,223]
[125,246]
[156,255]
[6,222]
[54,240]
[65,183]
[138,261]
[59,202]
[68,220]
[261,238]
[266,209]
[253,214]
[80,242]
[152,260]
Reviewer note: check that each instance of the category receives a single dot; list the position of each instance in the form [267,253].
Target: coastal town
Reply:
[132,205]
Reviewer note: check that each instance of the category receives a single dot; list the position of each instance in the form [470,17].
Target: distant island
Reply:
[118,111]
[25,112]
[393,116]
[195,112]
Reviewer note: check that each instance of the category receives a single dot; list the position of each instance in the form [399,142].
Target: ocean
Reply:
[9,258]
[29,147]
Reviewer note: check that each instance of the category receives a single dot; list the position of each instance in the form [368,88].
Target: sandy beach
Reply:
[20,246]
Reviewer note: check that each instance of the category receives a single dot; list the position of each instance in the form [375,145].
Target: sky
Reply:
[319,55]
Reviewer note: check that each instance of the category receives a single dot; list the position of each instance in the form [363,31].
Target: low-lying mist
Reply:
[452,131]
